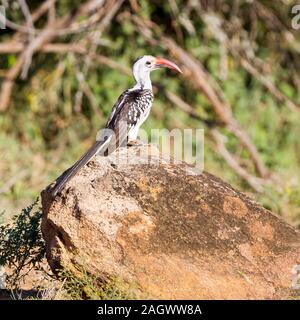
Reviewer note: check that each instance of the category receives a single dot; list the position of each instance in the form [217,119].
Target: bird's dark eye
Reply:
[148,63]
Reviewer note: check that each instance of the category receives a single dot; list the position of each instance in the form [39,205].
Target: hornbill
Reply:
[127,115]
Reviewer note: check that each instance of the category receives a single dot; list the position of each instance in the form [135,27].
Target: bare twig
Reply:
[75,27]
[240,50]
[29,21]
[51,14]
[45,6]
[14,26]
[46,36]
[63,48]
[254,182]
[182,105]
[36,15]
[27,13]
[270,86]
[187,108]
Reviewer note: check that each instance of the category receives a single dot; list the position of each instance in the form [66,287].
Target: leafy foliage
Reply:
[21,243]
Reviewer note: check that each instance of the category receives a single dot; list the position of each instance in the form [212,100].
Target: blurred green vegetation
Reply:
[54,113]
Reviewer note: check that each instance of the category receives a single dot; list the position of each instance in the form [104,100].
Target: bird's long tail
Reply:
[97,147]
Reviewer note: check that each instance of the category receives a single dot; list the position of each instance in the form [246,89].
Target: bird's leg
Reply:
[133,138]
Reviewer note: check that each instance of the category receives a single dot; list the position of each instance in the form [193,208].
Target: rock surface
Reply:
[171,234]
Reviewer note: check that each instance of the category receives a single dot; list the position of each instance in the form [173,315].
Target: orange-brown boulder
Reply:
[171,234]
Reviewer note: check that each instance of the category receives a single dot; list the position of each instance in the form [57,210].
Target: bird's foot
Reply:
[136,142]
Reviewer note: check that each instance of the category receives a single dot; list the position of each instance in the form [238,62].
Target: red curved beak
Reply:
[160,62]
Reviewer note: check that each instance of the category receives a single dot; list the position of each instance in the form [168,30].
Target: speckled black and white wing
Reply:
[128,114]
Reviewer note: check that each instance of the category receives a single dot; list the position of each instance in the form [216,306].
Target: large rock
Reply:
[170,234]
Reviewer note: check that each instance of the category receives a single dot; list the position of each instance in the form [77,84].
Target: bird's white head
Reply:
[144,65]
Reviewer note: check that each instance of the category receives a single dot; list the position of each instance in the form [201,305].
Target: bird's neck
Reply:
[143,82]
[142,86]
